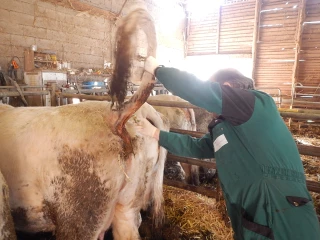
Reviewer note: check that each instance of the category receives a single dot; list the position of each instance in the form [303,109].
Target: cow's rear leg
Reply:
[126,223]
[85,218]
[78,229]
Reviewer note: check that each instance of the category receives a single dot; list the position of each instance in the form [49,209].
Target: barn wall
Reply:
[287,34]
[276,44]
[86,38]
[309,64]
[226,30]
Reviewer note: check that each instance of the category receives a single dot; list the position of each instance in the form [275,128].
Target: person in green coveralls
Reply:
[260,170]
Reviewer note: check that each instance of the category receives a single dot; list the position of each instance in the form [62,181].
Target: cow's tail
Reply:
[158,214]
[5,107]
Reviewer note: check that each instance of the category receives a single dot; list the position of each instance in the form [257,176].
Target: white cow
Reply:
[180,118]
[67,171]
[6,224]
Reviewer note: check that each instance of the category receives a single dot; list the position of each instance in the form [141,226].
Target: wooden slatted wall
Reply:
[309,64]
[228,30]
[276,44]
[202,36]
[236,28]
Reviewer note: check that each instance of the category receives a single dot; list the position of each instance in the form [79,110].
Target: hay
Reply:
[195,216]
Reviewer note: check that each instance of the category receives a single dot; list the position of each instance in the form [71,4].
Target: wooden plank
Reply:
[276,38]
[218,30]
[313,186]
[211,28]
[192,161]
[236,7]
[313,19]
[202,37]
[270,34]
[236,39]
[278,15]
[202,25]
[209,192]
[279,4]
[303,149]
[232,19]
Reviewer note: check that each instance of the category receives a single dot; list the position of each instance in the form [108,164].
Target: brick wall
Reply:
[79,37]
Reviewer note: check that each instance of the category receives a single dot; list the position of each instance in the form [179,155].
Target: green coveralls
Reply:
[259,165]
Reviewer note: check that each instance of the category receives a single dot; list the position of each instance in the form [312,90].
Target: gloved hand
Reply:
[144,127]
[151,64]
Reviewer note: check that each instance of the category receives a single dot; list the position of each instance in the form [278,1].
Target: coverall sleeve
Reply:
[204,94]
[186,146]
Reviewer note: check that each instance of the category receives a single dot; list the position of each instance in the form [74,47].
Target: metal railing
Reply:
[277,97]
[300,98]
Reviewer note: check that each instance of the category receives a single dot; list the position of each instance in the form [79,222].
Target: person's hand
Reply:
[150,65]
[144,127]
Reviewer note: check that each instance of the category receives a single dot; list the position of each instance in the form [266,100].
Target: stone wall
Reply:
[82,38]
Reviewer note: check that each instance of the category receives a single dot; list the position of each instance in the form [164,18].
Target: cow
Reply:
[67,171]
[203,118]
[180,118]
[7,231]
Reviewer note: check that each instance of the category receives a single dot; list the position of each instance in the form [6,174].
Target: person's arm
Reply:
[185,85]
[204,94]
[178,144]
[186,146]
[234,104]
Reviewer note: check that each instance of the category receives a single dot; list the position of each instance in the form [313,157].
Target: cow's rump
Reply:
[67,172]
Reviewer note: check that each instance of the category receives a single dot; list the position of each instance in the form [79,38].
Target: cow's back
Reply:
[181,118]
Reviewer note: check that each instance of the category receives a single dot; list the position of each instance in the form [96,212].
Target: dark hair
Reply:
[233,77]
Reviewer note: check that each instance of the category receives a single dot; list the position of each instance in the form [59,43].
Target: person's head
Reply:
[233,78]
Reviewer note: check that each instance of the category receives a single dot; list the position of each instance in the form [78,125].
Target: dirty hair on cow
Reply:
[233,77]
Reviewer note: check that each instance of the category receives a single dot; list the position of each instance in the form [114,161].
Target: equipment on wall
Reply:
[13,68]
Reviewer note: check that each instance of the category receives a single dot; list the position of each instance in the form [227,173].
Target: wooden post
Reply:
[19,91]
[218,29]
[53,87]
[302,7]
[255,40]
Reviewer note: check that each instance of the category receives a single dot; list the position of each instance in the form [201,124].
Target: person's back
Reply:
[261,172]
[259,165]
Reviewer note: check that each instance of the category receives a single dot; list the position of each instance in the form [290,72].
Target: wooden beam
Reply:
[255,36]
[295,70]
[218,30]
[305,150]
[191,161]
[84,8]
[311,185]
[25,93]
[209,192]
[297,115]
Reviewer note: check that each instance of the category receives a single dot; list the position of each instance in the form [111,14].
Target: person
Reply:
[260,170]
